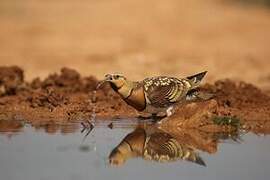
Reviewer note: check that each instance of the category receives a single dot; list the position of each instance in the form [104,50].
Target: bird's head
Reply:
[119,83]
[116,81]
[117,158]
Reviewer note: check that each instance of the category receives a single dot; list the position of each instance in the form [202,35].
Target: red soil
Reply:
[68,97]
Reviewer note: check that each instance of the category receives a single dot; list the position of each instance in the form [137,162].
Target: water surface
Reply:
[62,153]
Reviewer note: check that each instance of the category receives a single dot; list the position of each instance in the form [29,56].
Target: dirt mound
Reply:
[55,89]
[67,97]
[247,102]
[11,78]
[68,81]
[61,97]
[233,100]
[238,95]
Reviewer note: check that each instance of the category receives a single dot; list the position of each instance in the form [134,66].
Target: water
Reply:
[28,153]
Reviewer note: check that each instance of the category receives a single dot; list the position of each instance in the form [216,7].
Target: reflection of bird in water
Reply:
[152,145]
[157,95]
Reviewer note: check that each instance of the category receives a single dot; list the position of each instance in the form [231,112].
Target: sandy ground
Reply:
[137,38]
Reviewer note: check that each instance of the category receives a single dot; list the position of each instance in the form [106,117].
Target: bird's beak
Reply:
[108,78]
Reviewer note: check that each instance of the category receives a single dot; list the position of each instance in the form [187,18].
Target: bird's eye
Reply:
[108,76]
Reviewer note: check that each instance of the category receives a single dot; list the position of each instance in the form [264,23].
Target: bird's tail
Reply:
[198,160]
[196,79]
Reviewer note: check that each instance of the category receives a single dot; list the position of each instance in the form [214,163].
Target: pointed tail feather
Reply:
[196,79]
[195,158]
[200,161]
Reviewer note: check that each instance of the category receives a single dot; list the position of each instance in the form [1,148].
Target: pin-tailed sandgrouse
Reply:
[156,95]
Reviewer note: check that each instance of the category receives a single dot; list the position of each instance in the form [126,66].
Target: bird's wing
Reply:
[163,91]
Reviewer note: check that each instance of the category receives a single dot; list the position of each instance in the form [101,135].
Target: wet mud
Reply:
[67,97]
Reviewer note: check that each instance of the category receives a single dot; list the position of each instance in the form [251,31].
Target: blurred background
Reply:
[229,38]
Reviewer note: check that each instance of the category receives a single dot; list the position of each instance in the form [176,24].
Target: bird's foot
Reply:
[170,111]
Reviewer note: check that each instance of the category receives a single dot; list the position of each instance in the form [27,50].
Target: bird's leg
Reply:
[170,111]
[154,116]
[157,117]
[143,117]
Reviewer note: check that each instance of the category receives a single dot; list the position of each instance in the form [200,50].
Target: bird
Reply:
[157,95]
[153,145]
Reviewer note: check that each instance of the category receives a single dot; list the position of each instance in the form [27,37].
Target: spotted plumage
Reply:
[163,91]
[156,95]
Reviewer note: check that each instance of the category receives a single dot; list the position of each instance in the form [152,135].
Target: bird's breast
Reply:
[137,99]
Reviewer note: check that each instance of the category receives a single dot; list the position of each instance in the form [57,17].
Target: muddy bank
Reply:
[68,97]
[61,97]
[235,100]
